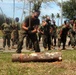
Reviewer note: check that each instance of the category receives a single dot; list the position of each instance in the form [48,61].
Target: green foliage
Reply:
[2,19]
[52,16]
[69,9]
[58,15]
[37,5]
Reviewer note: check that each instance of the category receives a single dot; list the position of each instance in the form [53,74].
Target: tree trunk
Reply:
[37,57]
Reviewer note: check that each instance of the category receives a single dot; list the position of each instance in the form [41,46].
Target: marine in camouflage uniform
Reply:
[72,34]
[29,45]
[45,31]
[15,32]
[29,27]
[71,26]
[39,34]
[63,35]
[54,33]
[6,29]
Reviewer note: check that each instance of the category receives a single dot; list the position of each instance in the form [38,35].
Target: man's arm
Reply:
[24,26]
[2,26]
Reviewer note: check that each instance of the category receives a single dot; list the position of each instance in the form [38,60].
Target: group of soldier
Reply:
[34,32]
[10,33]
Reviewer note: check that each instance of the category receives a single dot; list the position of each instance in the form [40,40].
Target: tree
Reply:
[69,9]
[2,20]
[52,16]
[58,16]
[37,5]
[43,17]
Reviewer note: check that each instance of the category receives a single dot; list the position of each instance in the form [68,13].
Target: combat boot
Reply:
[45,49]
[9,48]
[18,51]
[3,48]
[13,47]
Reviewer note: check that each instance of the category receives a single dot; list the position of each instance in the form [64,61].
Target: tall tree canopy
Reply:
[2,20]
[69,9]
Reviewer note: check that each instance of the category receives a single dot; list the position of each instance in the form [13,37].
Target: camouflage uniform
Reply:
[72,34]
[45,30]
[63,35]
[54,33]
[39,34]
[6,34]
[32,36]
[29,44]
[15,34]
[58,36]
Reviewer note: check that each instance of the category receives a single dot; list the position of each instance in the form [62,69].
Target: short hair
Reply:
[36,11]
[17,19]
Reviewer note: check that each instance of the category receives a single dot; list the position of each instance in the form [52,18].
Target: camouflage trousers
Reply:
[14,37]
[32,37]
[6,39]
[46,41]
[73,40]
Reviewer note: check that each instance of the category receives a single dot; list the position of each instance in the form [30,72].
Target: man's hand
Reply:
[34,31]
[51,29]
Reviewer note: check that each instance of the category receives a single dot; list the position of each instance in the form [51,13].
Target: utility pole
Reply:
[13,9]
[23,11]
[29,12]
[61,12]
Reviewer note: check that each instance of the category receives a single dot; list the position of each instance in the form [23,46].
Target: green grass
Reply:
[66,67]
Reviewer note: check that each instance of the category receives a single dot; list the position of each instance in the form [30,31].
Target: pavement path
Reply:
[24,47]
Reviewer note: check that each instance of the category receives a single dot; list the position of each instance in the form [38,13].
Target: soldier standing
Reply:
[71,26]
[72,34]
[63,35]
[54,33]
[45,31]
[29,27]
[6,30]
[15,33]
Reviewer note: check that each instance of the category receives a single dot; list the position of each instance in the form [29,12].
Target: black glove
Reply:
[29,28]
[29,32]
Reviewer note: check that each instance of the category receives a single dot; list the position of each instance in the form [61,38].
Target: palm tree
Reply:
[58,17]
[37,5]
[2,18]
[52,17]
[13,9]
[24,13]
